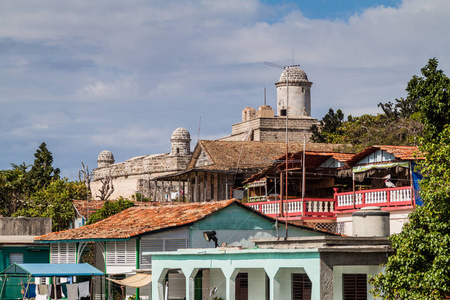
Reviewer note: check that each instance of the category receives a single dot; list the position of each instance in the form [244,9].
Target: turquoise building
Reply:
[323,268]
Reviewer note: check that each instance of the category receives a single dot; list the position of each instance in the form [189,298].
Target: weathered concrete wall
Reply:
[355,258]
[272,129]
[25,226]
[136,174]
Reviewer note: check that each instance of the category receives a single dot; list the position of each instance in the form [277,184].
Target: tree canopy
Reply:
[109,209]
[399,124]
[39,191]
[420,268]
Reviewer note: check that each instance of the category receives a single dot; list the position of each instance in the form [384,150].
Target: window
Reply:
[301,287]
[242,286]
[283,112]
[63,253]
[121,253]
[16,258]
[355,286]
[156,245]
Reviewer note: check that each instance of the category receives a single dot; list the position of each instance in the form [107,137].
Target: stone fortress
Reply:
[135,175]
[293,99]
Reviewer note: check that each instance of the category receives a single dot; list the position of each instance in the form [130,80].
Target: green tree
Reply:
[42,171]
[420,268]
[109,209]
[330,126]
[12,189]
[54,201]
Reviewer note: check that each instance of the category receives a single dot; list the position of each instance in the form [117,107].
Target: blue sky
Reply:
[332,9]
[86,76]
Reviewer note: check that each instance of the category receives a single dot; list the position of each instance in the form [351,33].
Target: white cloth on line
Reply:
[83,289]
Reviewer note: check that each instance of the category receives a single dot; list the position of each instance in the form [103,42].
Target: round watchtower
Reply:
[105,158]
[293,80]
[181,142]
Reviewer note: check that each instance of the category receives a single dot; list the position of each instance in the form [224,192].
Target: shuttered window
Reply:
[16,258]
[63,253]
[121,253]
[301,287]
[242,286]
[355,286]
[156,245]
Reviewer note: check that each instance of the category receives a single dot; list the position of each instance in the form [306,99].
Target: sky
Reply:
[85,76]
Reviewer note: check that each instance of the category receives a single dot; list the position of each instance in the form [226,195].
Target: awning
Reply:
[136,281]
[50,270]
[364,168]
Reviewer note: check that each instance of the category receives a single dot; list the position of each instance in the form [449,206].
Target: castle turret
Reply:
[293,80]
[105,158]
[181,142]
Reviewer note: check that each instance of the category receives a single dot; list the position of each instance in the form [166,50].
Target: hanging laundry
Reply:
[56,288]
[72,291]
[30,290]
[83,289]
[42,292]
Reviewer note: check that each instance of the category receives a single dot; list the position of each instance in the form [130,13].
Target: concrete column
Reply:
[196,188]
[230,275]
[274,283]
[158,285]
[190,274]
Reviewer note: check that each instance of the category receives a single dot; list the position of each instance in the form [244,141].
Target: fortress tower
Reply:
[293,93]
[293,99]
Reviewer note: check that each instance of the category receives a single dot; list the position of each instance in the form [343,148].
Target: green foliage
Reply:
[109,209]
[12,190]
[39,192]
[54,202]
[42,171]
[433,100]
[420,268]
[132,297]
[398,125]
[330,124]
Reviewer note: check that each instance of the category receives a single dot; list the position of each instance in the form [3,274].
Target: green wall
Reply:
[31,254]
[236,225]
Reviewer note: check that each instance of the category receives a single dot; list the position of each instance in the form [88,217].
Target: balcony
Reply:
[314,208]
[389,199]
[294,208]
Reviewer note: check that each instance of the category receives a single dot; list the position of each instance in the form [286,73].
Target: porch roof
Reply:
[48,270]
[403,153]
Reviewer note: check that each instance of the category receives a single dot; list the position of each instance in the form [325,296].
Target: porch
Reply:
[320,209]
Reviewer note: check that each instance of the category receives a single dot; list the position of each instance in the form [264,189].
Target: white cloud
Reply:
[125,74]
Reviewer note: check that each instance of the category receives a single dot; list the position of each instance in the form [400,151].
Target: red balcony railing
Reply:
[295,207]
[343,202]
[390,197]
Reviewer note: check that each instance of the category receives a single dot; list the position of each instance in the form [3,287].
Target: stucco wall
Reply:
[328,261]
[25,226]
[237,226]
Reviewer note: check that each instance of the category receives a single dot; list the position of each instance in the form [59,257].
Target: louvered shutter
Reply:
[301,287]
[175,244]
[355,286]
[63,253]
[16,258]
[150,245]
[121,253]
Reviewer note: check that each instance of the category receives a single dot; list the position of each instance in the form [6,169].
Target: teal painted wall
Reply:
[31,254]
[277,264]
[236,226]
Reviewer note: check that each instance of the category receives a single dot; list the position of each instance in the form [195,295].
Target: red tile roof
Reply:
[81,206]
[136,221]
